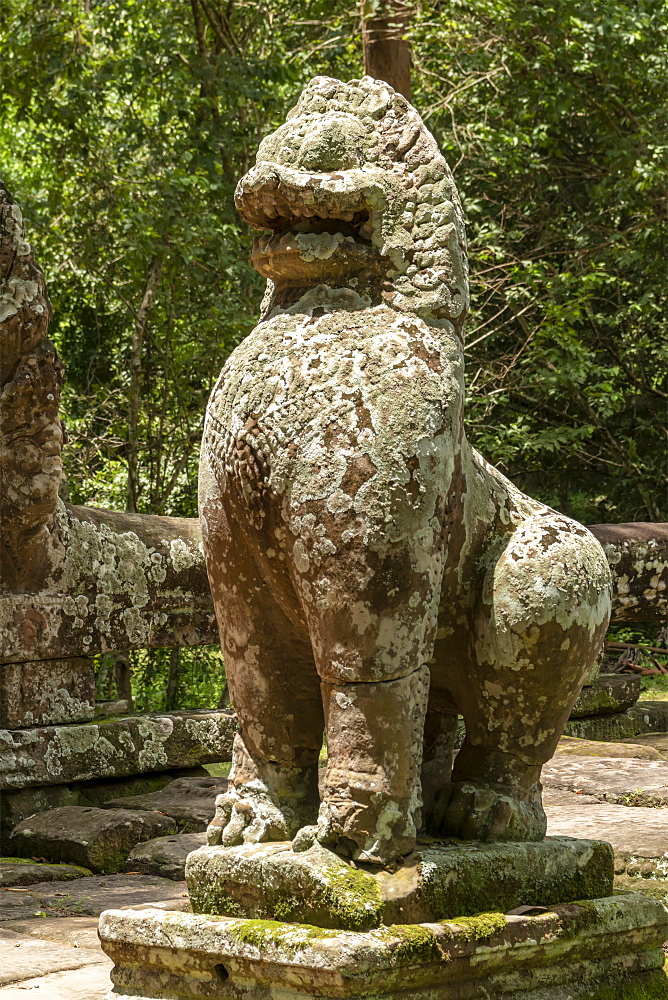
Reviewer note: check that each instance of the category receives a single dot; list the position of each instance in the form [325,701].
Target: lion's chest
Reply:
[303,401]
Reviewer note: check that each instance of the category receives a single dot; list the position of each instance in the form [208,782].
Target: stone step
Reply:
[617,780]
[24,871]
[98,839]
[191,802]
[164,856]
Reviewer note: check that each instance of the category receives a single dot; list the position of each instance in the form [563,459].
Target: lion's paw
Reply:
[250,814]
[488,812]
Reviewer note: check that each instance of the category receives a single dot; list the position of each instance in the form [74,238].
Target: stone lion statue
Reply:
[372,575]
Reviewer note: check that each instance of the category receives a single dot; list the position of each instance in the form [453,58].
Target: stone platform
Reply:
[594,950]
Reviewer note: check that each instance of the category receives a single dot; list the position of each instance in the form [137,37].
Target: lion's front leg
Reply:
[371,797]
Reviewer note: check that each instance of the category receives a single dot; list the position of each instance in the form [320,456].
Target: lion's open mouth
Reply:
[318,223]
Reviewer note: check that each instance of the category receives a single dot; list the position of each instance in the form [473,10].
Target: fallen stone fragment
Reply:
[609,693]
[90,896]
[165,856]
[20,871]
[626,782]
[616,939]
[597,748]
[98,839]
[439,880]
[189,801]
[24,957]
[639,836]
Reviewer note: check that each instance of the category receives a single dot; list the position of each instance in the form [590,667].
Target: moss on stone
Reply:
[482,925]
[657,888]
[417,944]
[288,937]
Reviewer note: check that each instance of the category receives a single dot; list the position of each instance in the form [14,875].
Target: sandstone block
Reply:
[190,801]
[165,856]
[56,755]
[439,881]
[569,951]
[46,692]
[608,694]
[99,839]
[643,717]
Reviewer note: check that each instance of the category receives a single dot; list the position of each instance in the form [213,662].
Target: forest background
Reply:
[125,124]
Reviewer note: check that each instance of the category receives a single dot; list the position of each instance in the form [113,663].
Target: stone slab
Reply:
[21,802]
[644,717]
[658,742]
[47,692]
[22,871]
[492,955]
[626,782]
[25,957]
[609,693]
[440,880]
[598,748]
[56,755]
[92,982]
[77,932]
[639,836]
[98,839]
[90,896]
[189,801]
[165,856]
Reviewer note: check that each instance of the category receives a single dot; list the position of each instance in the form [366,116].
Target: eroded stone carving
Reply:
[372,574]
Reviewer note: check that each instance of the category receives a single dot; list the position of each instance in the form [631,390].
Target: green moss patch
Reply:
[273,933]
[482,925]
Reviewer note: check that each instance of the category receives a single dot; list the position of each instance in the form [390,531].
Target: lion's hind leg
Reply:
[542,618]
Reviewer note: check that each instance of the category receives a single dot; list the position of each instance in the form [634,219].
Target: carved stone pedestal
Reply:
[307,926]
[603,948]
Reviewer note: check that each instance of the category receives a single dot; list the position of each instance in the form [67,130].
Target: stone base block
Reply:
[56,755]
[47,692]
[440,880]
[609,693]
[602,948]
[98,839]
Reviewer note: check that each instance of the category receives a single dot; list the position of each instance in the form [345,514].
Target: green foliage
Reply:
[553,115]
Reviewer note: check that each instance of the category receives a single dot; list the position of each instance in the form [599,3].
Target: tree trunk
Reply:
[386,50]
[152,283]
